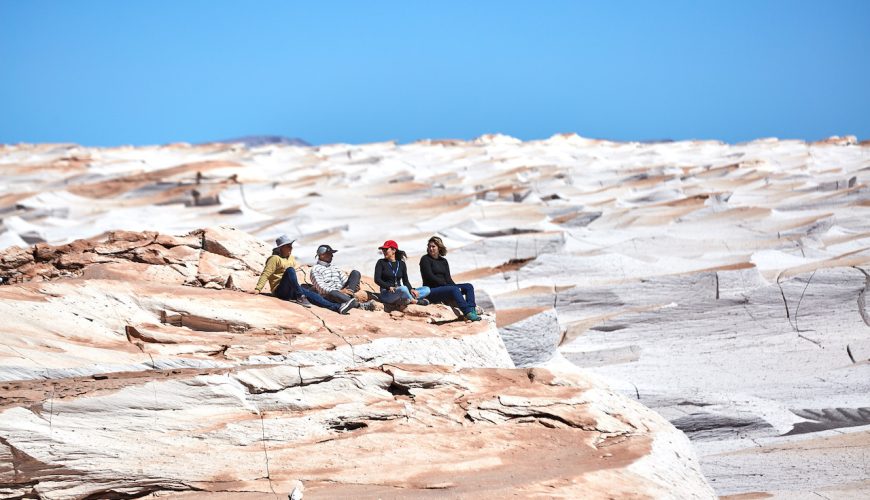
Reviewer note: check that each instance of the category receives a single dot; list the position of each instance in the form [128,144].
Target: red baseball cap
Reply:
[389,244]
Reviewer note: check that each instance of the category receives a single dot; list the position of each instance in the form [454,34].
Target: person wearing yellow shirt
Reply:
[280,273]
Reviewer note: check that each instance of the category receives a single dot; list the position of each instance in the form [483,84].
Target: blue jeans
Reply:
[402,292]
[461,293]
[289,289]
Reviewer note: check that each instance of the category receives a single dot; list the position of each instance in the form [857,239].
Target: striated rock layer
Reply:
[723,285]
[130,368]
[395,430]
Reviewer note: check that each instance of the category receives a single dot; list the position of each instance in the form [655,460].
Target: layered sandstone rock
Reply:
[404,430]
[129,369]
[721,284]
[126,314]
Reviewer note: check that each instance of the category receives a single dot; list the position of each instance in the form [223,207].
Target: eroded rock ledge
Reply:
[128,376]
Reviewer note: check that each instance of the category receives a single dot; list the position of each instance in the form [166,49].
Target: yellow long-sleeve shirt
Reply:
[274,270]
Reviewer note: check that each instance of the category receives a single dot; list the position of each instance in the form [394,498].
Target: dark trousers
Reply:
[289,289]
[461,293]
[351,284]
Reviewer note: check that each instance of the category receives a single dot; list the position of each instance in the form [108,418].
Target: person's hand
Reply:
[415,293]
[346,291]
[392,289]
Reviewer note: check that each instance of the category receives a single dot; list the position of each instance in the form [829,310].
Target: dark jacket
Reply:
[435,272]
[387,275]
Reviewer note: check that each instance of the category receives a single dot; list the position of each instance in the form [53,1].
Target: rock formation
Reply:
[130,369]
[722,285]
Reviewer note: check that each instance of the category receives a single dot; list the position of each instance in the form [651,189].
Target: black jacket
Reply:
[389,274]
[435,272]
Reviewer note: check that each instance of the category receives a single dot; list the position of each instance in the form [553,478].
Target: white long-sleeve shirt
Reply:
[327,278]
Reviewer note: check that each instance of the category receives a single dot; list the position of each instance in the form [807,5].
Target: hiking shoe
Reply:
[422,302]
[472,316]
[303,301]
[347,306]
[367,306]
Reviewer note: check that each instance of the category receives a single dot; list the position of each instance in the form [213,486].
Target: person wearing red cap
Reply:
[391,274]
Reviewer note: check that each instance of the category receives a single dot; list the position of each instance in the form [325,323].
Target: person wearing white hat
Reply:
[280,273]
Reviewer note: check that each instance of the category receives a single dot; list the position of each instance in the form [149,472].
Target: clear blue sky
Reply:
[124,72]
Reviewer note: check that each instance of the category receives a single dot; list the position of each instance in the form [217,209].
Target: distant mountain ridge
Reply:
[253,141]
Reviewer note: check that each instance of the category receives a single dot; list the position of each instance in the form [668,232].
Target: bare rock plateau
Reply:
[130,369]
[723,286]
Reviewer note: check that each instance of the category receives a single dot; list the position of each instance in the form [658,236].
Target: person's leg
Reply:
[443,294]
[401,295]
[288,288]
[422,292]
[338,297]
[461,302]
[440,295]
[352,282]
[318,300]
[388,297]
[467,289]
[404,292]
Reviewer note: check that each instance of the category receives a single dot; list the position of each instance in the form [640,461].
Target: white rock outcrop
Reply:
[722,285]
[126,374]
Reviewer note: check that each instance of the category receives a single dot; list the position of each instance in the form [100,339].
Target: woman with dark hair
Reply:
[391,274]
[436,275]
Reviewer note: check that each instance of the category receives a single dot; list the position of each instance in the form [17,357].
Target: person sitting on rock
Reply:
[435,271]
[331,282]
[280,273]
[390,272]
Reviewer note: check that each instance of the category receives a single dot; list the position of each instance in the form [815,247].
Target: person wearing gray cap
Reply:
[331,282]
[280,273]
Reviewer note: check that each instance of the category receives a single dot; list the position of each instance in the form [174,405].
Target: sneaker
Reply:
[367,306]
[422,302]
[303,301]
[472,316]
[347,306]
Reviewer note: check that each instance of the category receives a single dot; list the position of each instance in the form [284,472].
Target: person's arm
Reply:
[271,264]
[379,271]
[429,278]
[405,279]
[342,282]
[317,280]
[449,277]
[407,282]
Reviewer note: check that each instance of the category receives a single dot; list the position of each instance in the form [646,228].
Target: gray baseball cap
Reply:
[322,249]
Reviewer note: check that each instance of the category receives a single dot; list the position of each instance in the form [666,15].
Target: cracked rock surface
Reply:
[723,285]
[407,430]
[121,378]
